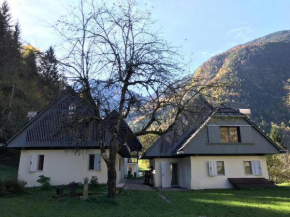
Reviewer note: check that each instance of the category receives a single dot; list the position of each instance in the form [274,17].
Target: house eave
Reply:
[124,151]
[195,155]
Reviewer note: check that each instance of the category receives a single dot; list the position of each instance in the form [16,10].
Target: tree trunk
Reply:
[112,176]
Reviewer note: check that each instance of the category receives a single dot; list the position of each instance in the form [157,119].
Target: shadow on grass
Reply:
[261,202]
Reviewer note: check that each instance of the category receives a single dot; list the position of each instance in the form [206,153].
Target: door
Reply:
[165,175]
[174,174]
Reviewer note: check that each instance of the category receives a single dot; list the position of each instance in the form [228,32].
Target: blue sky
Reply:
[204,27]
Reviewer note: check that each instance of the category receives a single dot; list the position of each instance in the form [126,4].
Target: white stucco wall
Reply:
[63,167]
[234,168]
[133,167]
[193,171]
[119,168]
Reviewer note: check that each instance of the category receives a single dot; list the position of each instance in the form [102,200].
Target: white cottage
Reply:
[49,149]
[210,148]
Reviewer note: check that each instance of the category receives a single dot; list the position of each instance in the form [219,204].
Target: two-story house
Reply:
[220,143]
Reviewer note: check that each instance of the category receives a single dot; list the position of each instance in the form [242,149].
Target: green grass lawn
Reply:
[7,171]
[210,203]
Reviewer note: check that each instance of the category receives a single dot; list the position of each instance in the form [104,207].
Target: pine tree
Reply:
[51,78]
[9,68]
[5,19]
[21,87]
[48,67]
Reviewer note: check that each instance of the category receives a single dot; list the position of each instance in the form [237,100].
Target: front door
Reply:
[165,174]
[174,174]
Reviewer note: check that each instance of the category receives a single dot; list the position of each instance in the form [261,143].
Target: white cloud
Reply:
[240,34]
[240,29]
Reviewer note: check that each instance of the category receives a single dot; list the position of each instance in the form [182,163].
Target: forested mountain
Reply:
[259,71]
[29,79]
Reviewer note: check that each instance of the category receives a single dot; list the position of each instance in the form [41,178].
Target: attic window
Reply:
[230,134]
[71,110]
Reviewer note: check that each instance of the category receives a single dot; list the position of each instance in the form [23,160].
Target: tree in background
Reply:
[48,68]
[287,98]
[29,56]
[21,88]
[10,61]
[279,164]
[275,135]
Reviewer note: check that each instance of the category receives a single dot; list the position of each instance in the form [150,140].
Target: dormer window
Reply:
[230,134]
[71,110]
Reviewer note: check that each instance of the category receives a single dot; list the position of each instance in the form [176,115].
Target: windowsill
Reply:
[231,143]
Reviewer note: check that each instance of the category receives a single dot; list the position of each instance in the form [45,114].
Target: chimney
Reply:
[31,114]
[245,111]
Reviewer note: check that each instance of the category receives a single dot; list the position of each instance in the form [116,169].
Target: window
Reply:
[120,163]
[71,110]
[40,162]
[91,161]
[216,168]
[220,168]
[229,134]
[95,162]
[248,168]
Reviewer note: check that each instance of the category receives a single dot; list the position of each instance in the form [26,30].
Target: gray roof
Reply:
[56,127]
[173,140]
[170,146]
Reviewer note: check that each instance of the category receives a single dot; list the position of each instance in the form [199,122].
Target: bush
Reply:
[12,186]
[44,181]
[94,182]
[279,168]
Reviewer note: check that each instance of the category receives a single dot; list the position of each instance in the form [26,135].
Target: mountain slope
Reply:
[262,68]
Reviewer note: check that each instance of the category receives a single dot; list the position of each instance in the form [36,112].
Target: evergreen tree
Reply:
[5,19]
[9,67]
[21,87]
[51,78]
[48,67]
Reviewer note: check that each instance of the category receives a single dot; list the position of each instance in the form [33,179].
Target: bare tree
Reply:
[118,62]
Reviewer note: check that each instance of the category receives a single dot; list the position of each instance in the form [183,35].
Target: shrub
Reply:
[94,182]
[44,181]
[279,168]
[12,186]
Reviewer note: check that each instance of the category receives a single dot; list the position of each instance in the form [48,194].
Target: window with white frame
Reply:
[253,168]
[220,167]
[95,162]
[216,168]
[36,163]
[247,167]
